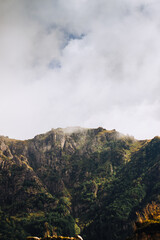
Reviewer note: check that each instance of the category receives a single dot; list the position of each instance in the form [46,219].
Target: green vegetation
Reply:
[90,182]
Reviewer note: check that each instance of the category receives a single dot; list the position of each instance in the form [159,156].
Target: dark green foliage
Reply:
[93,179]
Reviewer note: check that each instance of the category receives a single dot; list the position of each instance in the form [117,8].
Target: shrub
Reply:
[150,213]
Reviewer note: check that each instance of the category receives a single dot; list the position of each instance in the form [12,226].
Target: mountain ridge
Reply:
[76,179]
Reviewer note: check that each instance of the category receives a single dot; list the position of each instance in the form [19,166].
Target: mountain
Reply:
[76,180]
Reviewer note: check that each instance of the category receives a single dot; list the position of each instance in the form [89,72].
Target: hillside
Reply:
[77,180]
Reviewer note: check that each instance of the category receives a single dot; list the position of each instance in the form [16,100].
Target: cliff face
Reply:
[75,179]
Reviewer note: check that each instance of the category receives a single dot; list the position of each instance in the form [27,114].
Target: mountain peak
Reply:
[70,130]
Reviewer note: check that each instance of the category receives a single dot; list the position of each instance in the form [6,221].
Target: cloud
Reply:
[79,63]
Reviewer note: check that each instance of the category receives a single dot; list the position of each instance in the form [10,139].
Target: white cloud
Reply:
[87,63]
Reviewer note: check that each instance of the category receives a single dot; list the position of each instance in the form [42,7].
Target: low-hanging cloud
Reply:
[79,63]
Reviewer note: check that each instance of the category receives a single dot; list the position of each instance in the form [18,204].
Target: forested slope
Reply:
[77,180]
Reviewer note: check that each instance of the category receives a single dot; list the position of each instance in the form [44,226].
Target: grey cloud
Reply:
[83,63]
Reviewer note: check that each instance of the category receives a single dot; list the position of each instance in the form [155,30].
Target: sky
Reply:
[79,63]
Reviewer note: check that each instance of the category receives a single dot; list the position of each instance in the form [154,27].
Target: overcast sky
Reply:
[85,63]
